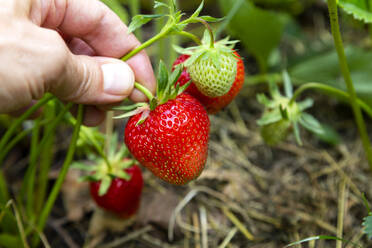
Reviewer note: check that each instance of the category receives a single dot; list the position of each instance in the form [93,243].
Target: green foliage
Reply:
[368,225]
[329,135]
[359,9]
[259,30]
[324,68]
[140,20]
[10,240]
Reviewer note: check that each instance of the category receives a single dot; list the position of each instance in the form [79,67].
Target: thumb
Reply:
[94,80]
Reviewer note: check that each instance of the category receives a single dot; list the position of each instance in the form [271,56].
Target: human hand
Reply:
[35,59]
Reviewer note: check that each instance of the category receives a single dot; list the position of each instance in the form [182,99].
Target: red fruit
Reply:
[215,104]
[173,140]
[123,197]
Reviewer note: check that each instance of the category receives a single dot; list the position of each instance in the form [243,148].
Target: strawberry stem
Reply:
[144,90]
[147,43]
[209,28]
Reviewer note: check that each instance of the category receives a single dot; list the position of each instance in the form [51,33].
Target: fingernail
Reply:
[118,78]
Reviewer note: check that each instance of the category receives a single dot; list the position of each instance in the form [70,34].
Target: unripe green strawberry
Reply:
[210,80]
[275,132]
[212,65]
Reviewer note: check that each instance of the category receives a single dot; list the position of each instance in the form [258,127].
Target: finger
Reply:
[79,47]
[93,80]
[101,29]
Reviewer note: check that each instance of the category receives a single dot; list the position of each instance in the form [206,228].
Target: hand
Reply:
[35,59]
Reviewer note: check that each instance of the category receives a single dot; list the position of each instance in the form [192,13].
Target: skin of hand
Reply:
[83,67]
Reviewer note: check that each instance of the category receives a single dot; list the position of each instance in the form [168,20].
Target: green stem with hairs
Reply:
[209,28]
[332,91]
[146,44]
[145,91]
[61,177]
[333,13]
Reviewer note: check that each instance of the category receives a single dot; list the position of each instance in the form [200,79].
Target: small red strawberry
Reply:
[212,104]
[173,140]
[123,196]
[115,181]
[169,136]
[212,66]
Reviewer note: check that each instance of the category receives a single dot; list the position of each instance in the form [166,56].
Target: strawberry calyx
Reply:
[98,170]
[165,91]
[282,111]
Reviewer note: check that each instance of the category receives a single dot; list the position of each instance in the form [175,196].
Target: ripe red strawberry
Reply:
[123,196]
[212,104]
[172,141]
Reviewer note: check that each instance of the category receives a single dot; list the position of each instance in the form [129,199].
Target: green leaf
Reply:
[162,80]
[105,185]
[158,4]
[82,166]
[129,114]
[139,20]
[129,107]
[211,18]
[288,88]
[329,136]
[367,223]
[123,175]
[311,124]
[176,74]
[305,104]
[296,132]
[324,68]
[269,117]
[198,10]
[359,9]
[259,30]
[262,98]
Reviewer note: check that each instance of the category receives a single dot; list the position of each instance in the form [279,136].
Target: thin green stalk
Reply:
[332,91]
[146,44]
[58,184]
[332,7]
[46,151]
[29,179]
[145,91]
[161,53]
[209,28]
[109,130]
[4,192]
[19,121]
[12,143]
